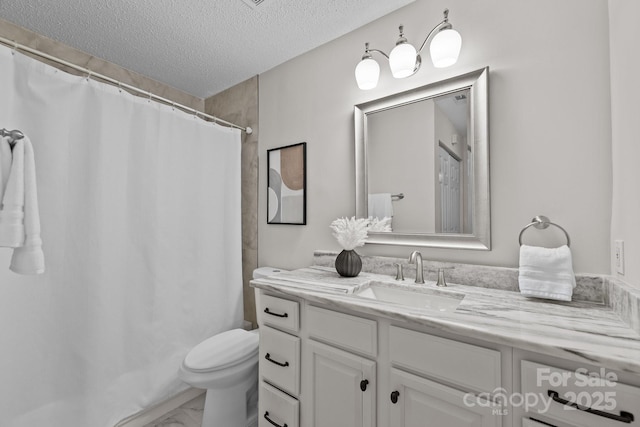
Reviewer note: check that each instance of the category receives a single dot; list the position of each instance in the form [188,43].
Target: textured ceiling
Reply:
[198,46]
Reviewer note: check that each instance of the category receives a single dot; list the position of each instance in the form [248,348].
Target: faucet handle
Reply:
[441,281]
[399,271]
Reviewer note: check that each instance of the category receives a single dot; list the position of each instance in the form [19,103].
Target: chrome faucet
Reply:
[416,257]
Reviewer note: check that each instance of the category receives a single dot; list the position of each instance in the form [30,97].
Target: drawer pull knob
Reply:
[394,397]
[266,310]
[624,417]
[363,385]
[268,357]
[266,417]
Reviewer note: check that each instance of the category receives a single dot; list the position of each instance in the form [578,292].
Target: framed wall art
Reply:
[287,185]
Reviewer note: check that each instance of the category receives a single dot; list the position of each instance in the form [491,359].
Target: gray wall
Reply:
[625,111]
[392,150]
[550,124]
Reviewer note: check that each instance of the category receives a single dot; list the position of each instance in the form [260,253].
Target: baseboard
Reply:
[144,417]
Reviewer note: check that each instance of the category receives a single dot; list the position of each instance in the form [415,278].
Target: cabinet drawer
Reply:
[472,367]
[276,408]
[280,359]
[281,313]
[349,332]
[604,402]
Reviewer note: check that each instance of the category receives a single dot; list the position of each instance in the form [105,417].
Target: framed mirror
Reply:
[422,158]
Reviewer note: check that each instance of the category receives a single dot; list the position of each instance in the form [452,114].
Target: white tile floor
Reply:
[188,415]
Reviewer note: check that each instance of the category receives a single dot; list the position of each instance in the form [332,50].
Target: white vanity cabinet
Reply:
[352,365]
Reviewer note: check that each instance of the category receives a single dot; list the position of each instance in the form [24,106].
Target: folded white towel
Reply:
[546,272]
[29,258]
[12,210]
[380,205]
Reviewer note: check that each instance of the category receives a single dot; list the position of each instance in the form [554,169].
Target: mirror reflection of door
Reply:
[454,195]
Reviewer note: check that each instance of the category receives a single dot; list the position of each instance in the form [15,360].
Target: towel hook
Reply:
[541,222]
[13,135]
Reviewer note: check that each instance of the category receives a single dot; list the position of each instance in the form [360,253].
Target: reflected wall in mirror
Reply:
[429,138]
[429,145]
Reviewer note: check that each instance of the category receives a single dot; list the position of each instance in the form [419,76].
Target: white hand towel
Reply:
[12,210]
[29,258]
[380,205]
[5,165]
[546,272]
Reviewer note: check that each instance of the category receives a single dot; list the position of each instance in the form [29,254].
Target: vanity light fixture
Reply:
[405,60]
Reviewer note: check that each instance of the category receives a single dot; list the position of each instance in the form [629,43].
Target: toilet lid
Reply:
[222,350]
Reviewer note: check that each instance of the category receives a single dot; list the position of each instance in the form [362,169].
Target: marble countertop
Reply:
[580,331]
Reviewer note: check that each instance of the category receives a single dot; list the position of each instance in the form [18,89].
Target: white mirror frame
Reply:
[478,84]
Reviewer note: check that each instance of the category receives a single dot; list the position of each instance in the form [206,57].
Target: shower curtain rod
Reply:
[16,46]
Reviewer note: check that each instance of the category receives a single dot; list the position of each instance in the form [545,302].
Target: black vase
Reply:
[348,263]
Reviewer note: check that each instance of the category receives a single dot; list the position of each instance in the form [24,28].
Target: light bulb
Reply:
[445,48]
[402,60]
[367,73]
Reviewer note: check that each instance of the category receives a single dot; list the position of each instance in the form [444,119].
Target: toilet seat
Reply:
[222,351]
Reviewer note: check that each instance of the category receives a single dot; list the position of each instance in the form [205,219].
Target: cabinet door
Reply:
[344,388]
[423,403]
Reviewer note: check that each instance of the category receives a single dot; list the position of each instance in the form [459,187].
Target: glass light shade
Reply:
[402,60]
[367,73]
[445,48]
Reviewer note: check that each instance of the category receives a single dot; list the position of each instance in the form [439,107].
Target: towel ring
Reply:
[541,222]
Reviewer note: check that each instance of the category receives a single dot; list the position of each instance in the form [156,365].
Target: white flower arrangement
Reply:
[350,232]
[353,232]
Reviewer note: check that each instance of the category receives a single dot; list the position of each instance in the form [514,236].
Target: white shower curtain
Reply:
[140,212]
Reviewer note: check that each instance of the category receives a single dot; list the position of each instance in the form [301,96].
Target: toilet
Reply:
[226,365]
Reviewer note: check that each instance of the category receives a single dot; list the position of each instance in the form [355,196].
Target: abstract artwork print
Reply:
[287,181]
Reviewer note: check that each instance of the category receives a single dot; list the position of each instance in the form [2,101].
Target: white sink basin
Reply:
[424,298]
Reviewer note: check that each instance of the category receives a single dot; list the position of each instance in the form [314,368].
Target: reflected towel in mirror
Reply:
[380,205]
